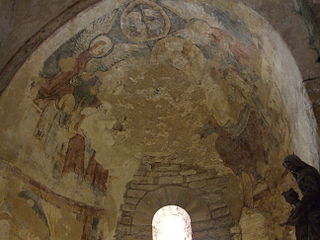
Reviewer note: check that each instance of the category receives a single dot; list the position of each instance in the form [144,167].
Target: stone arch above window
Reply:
[171,195]
[171,222]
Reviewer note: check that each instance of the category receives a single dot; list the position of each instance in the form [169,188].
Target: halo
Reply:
[105,46]
[140,38]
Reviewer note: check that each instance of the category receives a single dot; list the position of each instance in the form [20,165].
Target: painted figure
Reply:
[144,20]
[74,160]
[71,68]
[69,92]
[96,175]
[59,85]
[306,214]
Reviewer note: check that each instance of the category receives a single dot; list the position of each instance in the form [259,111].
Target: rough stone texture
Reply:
[171,180]
[195,201]
[108,142]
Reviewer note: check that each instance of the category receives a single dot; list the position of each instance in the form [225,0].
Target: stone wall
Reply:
[200,192]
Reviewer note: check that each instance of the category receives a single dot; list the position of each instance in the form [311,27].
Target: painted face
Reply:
[100,46]
[143,20]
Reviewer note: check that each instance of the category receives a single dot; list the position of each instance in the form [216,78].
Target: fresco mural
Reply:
[168,84]
[32,211]
[131,32]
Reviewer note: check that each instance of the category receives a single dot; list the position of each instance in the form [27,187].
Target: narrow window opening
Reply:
[171,222]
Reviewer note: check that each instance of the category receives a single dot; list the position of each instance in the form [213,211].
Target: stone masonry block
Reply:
[126,220]
[198,184]
[135,193]
[199,177]
[131,200]
[123,229]
[128,207]
[145,187]
[220,212]
[202,226]
[165,168]
[143,179]
[217,205]
[161,174]
[171,180]
[188,172]
[225,221]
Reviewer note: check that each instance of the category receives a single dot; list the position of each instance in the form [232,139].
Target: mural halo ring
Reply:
[100,46]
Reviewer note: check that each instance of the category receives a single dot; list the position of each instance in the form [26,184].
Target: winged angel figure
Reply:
[105,43]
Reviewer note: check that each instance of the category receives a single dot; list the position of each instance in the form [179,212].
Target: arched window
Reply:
[171,222]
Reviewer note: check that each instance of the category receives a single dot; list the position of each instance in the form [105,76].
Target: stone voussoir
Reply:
[127,220]
[202,225]
[135,193]
[219,233]
[199,234]
[217,205]
[128,207]
[224,221]
[143,179]
[124,229]
[213,197]
[220,212]
[145,167]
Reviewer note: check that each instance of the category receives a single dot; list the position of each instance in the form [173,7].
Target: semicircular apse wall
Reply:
[133,96]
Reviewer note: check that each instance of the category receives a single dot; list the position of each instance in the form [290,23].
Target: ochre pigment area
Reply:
[139,104]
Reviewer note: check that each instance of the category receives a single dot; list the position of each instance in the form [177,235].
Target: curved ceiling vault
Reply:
[133,97]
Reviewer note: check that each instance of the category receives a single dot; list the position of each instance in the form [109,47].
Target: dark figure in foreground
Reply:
[296,218]
[305,215]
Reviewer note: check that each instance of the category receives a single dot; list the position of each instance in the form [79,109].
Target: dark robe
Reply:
[74,160]
[96,175]
[297,218]
[307,212]
[58,86]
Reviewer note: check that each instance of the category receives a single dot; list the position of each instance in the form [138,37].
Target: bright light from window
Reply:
[171,223]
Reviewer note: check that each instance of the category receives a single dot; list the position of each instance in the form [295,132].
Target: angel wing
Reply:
[100,26]
[120,52]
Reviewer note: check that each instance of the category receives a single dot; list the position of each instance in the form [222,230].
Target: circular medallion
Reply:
[144,20]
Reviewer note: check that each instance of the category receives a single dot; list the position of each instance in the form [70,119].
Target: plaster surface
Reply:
[136,96]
